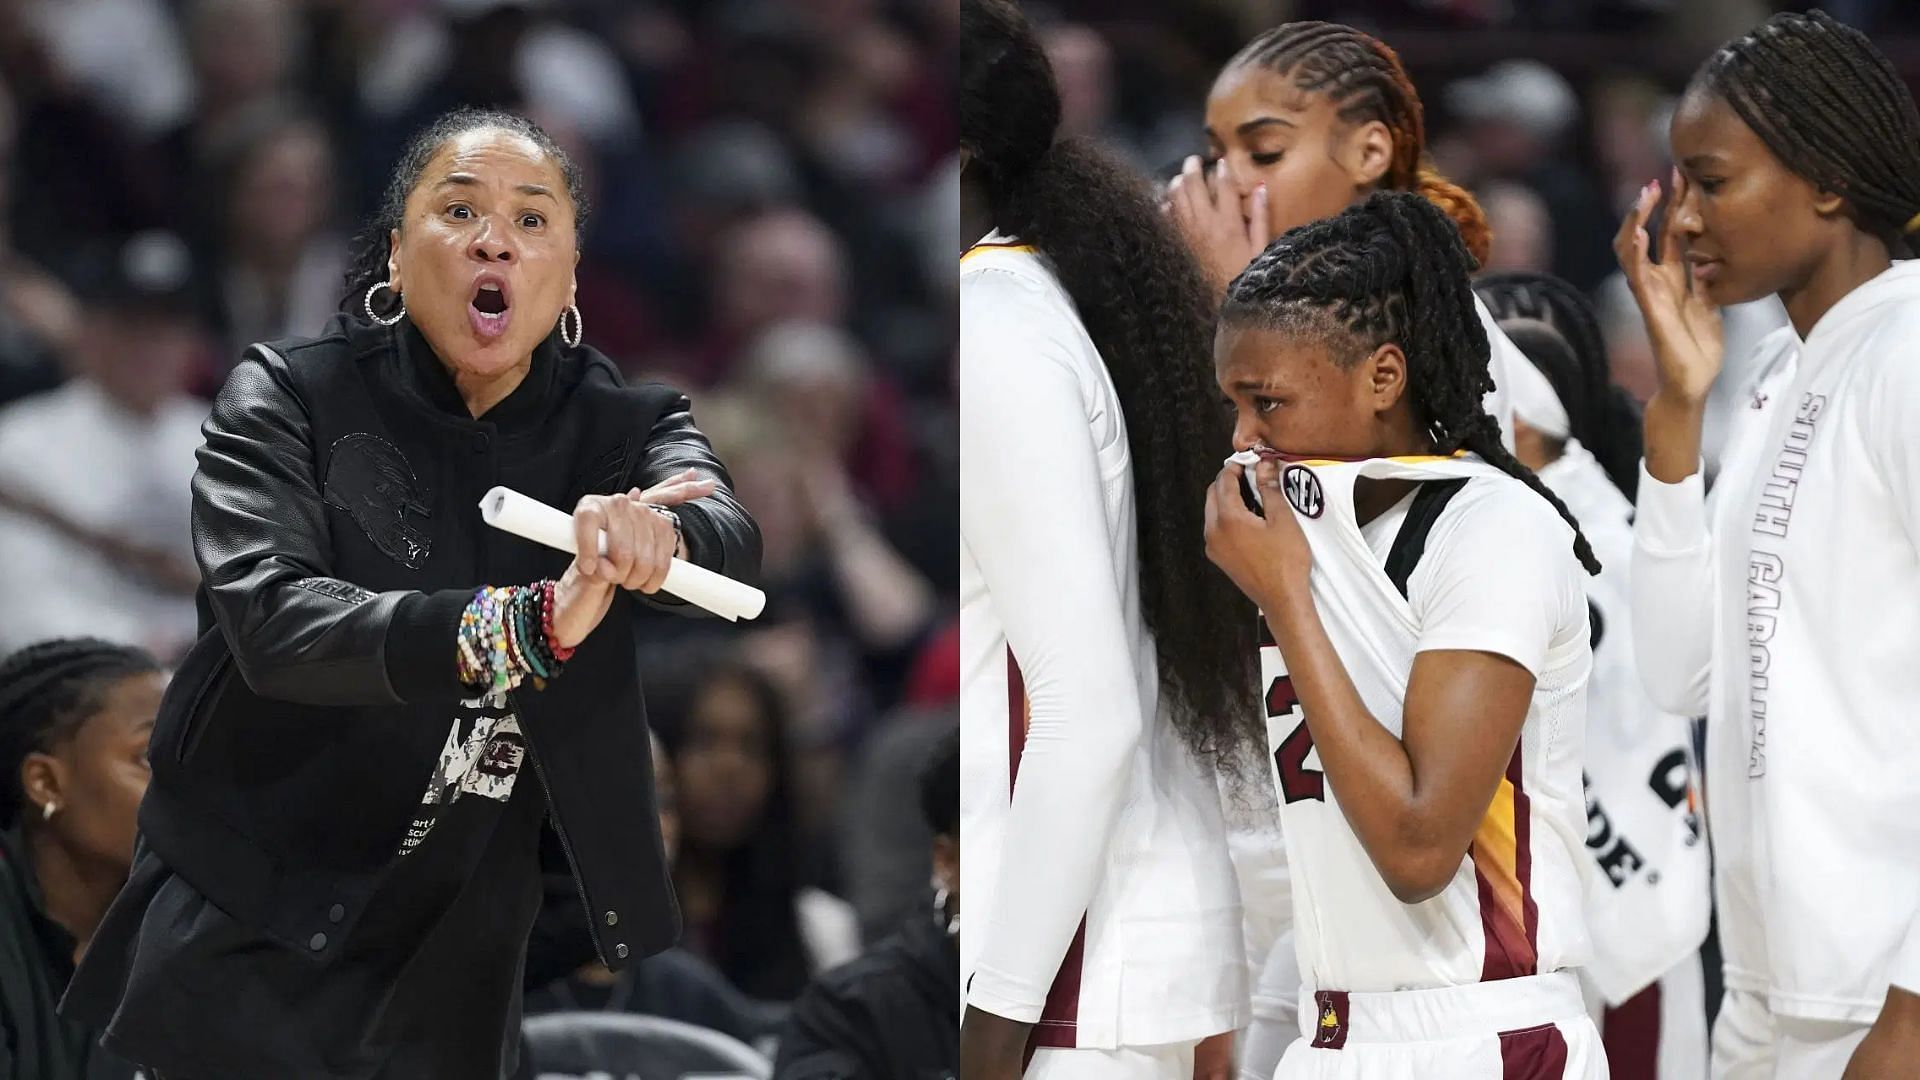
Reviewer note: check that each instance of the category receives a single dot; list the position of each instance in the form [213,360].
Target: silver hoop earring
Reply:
[368,304]
[579,326]
[941,917]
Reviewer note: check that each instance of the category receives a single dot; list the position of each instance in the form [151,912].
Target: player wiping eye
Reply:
[1781,608]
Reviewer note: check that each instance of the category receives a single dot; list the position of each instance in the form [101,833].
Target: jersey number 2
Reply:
[1297,782]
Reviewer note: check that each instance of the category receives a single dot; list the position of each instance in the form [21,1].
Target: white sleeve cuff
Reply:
[1906,961]
[1670,518]
[1004,997]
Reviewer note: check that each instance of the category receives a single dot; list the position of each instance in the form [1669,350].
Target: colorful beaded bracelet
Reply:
[506,637]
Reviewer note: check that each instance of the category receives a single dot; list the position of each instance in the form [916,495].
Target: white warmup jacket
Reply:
[1784,608]
[1101,897]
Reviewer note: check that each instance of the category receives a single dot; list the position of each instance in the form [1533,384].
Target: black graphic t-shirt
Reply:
[450,943]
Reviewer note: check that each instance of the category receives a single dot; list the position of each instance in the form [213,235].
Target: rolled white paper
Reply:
[529,518]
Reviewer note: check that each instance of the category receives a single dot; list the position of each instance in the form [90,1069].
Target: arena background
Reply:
[774,185]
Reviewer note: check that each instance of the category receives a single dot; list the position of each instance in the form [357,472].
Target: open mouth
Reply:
[489,308]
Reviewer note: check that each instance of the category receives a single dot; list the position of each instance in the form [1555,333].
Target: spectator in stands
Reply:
[738,873]
[94,475]
[1519,116]
[883,841]
[1522,232]
[39,318]
[677,984]
[243,54]
[780,265]
[812,380]
[74,719]
[891,1012]
[279,263]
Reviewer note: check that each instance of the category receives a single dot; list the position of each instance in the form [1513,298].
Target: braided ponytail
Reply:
[1394,269]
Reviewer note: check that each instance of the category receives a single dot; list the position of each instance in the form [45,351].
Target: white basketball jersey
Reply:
[1513,907]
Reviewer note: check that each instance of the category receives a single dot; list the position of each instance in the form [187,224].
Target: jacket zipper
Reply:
[573,864]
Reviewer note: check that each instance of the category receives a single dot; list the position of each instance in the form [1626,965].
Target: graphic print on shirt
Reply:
[1772,518]
[482,757]
[369,479]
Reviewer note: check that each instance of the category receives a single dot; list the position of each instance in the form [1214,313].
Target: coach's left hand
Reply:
[1266,557]
[1892,1046]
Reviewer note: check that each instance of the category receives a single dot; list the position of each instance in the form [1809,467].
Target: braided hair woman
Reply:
[1428,657]
[1305,120]
[1109,667]
[75,714]
[1779,609]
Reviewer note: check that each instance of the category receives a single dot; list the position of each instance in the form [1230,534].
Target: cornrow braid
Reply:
[1393,269]
[47,691]
[1833,110]
[1366,81]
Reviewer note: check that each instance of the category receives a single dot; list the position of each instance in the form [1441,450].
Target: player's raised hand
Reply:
[1223,230]
[1267,557]
[1684,326]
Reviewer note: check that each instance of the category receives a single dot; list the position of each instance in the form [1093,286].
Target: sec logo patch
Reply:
[1303,490]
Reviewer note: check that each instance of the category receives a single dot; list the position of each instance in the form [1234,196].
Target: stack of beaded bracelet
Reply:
[506,636]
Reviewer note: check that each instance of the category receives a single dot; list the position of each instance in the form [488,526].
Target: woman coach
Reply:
[340,856]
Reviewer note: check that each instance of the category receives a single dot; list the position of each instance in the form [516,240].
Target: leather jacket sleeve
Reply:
[260,536]
[721,536]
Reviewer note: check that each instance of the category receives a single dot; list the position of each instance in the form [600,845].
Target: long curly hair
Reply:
[1146,306]
[1366,81]
[367,265]
[1393,269]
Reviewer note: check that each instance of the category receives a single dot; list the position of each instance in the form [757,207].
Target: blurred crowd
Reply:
[1553,113]
[773,185]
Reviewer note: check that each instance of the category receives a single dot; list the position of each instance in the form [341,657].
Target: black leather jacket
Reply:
[336,521]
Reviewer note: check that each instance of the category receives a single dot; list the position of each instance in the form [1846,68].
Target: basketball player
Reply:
[1306,120]
[1647,899]
[1098,647]
[1782,609]
[1426,692]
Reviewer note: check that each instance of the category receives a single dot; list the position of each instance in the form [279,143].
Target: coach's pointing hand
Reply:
[1266,557]
[642,541]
